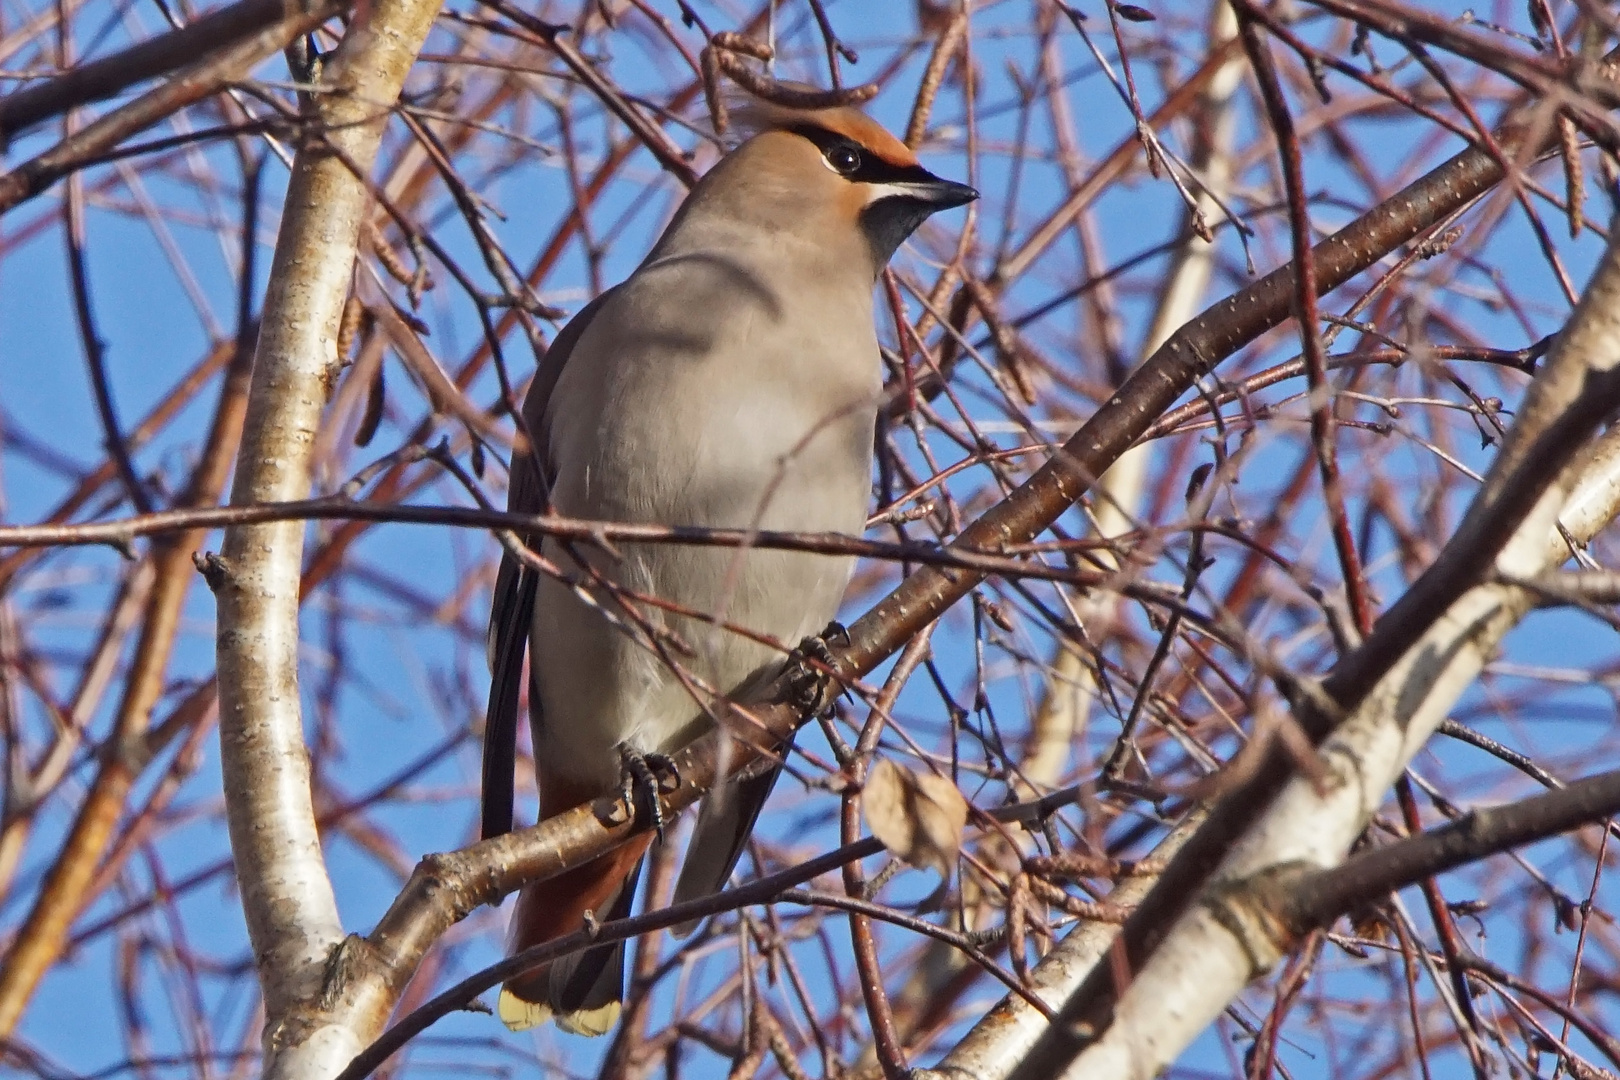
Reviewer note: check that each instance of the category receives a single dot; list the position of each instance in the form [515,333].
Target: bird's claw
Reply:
[810,688]
[643,779]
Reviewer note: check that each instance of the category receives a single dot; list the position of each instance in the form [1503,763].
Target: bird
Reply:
[731,381]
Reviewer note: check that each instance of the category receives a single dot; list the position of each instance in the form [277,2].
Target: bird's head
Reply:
[832,175]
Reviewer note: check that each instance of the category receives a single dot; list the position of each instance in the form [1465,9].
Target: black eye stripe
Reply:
[875,170]
[872,169]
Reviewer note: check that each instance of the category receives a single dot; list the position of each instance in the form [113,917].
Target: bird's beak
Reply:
[941,194]
[897,207]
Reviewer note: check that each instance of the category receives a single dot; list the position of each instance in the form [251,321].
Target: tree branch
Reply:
[98,79]
[1393,692]
[190,85]
[287,897]
[67,891]
[1321,897]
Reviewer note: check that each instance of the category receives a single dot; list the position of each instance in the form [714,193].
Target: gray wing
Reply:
[511,611]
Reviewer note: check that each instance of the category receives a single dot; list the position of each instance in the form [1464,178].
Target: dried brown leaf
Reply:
[918,817]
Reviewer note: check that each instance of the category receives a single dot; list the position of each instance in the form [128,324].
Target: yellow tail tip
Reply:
[520,1015]
[592,1022]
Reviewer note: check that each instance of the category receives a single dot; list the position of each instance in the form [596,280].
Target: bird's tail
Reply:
[724,823]
[583,991]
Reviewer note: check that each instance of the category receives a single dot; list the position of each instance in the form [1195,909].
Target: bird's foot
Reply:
[812,688]
[643,779]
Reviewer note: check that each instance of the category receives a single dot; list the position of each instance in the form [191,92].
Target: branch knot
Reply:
[1254,910]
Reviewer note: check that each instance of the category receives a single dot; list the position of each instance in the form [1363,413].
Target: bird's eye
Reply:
[843,158]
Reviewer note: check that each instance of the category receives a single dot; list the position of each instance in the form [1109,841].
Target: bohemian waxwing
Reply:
[732,382]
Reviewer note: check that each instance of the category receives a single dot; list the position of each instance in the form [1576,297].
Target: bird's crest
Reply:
[749,116]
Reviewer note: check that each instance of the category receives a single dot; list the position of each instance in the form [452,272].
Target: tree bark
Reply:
[287,895]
